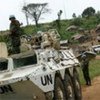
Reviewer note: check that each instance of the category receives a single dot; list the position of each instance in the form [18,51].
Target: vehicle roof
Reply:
[95,46]
[24,54]
[3,59]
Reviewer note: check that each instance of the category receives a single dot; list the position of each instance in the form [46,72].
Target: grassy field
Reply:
[94,69]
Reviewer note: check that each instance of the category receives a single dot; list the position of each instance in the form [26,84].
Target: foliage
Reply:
[97,15]
[4,39]
[77,21]
[29,29]
[90,11]
[84,23]
[90,23]
[35,11]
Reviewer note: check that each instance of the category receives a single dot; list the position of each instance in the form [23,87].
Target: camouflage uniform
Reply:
[85,69]
[15,36]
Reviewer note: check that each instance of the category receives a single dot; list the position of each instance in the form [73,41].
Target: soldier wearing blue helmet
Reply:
[15,31]
[85,69]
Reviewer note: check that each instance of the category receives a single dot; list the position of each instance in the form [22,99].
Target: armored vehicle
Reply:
[41,74]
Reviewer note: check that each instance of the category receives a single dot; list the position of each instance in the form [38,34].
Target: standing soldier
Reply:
[85,69]
[15,34]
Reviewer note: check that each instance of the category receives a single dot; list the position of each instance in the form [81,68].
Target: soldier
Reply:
[15,34]
[85,69]
[25,46]
[45,41]
[54,37]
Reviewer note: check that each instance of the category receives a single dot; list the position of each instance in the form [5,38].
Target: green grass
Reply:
[84,23]
[94,69]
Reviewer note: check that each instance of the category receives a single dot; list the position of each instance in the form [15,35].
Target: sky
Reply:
[14,7]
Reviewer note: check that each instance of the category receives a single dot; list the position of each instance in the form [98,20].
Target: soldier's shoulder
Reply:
[17,22]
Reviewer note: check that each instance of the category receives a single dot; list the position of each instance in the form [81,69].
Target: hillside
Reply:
[82,24]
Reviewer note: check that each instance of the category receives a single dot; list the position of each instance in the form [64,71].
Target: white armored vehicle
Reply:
[42,74]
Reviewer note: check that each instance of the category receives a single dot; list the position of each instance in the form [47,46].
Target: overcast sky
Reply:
[13,7]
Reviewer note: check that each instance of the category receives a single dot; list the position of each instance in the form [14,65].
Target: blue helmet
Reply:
[11,17]
[83,56]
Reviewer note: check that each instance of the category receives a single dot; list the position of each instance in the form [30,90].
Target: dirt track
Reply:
[92,92]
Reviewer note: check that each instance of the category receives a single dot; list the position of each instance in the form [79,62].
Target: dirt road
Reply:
[92,92]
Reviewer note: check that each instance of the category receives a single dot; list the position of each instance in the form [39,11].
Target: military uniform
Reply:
[85,69]
[15,35]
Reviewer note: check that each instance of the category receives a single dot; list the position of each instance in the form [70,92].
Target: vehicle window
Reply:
[3,65]
[20,62]
[97,47]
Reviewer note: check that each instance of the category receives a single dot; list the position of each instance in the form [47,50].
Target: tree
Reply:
[98,14]
[77,21]
[34,11]
[59,14]
[25,10]
[90,11]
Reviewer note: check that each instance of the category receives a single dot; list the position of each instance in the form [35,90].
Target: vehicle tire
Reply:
[69,91]
[59,92]
[77,86]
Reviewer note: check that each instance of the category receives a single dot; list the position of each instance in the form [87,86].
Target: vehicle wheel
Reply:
[77,86]
[69,91]
[59,92]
